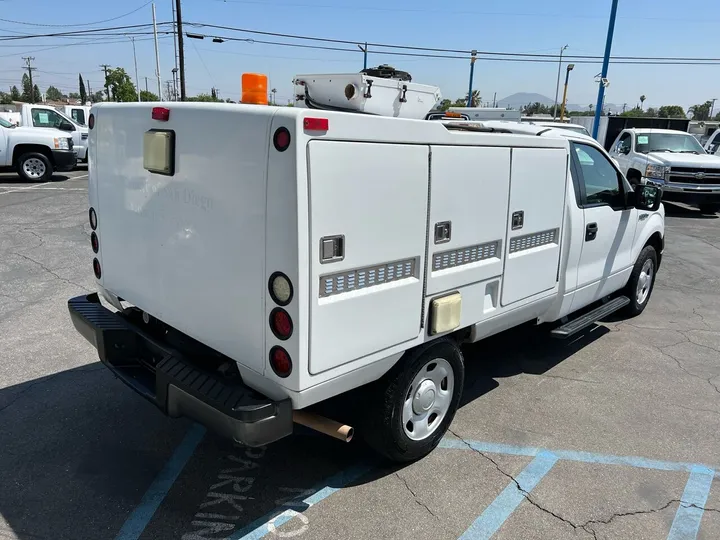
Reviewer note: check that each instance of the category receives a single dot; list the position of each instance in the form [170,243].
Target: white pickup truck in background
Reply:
[45,116]
[712,146]
[672,160]
[290,255]
[35,153]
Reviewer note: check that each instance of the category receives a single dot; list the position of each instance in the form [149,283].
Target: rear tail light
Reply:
[161,113]
[97,269]
[281,139]
[94,242]
[281,290]
[280,362]
[93,219]
[91,121]
[316,124]
[281,324]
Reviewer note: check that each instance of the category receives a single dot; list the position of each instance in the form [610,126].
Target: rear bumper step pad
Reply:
[176,386]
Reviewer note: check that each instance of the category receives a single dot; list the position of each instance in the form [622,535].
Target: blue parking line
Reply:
[279,516]
[154,496]
[572,455]
[510,498]
[686,524]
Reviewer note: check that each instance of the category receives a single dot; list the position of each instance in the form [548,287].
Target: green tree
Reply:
[73,95]
[642,101]
[148,96]
[121,86]
[475,101]
[206,98]
[26,89]
[5,99]
[53,94]
[635,112]
[97,96]
[459,102]
[83,93]
[671,111]
[701,112]
[651,113]
[37,96]
[444,105]
[15,93]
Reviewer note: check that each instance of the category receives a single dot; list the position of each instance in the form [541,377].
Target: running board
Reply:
[581,323]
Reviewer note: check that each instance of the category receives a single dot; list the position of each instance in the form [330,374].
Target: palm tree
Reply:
[475,101]
[642,100]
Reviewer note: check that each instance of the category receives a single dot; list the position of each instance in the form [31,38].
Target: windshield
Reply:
[4,123]
[576,129]
[668,142]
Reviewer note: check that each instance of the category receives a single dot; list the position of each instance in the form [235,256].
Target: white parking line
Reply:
[26,188]
[42,186]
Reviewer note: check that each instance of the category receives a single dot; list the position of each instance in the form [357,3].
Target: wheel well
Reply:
[21,149]
[656,241]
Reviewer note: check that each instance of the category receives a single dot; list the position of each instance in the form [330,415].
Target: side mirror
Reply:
[625,150]
[66,126]
[647,197]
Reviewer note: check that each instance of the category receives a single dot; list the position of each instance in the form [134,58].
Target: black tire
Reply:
[709,208]
[636,306]
[383,428]
[34,161]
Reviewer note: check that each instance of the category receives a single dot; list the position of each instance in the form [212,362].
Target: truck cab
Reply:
[78,113]
[45,116]
[672,160]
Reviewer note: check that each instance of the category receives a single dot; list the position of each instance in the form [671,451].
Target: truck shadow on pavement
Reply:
[82,457]
[675,210]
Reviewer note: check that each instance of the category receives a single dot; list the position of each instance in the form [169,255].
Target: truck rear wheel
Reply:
[34,167]
[412,406]
[641,281]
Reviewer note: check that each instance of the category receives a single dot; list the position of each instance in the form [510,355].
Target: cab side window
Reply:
[600,182]
[78,115]
[624,144]
[46,118]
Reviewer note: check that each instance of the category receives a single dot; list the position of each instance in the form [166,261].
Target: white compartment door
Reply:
[534,226]
[469,195]
[368,219]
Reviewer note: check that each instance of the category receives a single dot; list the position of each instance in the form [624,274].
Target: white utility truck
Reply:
[673,160]
[290,255]
[45,116]
[35,153]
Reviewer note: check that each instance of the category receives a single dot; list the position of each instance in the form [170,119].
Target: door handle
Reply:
[591,232]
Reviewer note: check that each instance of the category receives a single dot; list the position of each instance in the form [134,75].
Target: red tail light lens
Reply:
[93,219]
[161,113]
[281,139]
[281,324]
[95,242]
[316,124]
[280,362]
[91,121]
[97,269]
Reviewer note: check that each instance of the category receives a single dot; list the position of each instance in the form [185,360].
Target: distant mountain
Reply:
[521,99]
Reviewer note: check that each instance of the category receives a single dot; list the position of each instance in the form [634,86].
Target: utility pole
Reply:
[137,79]
[172,3]
[181,52]
[364,50]
[28,62]
[494,100]
[472,72]
[169,90]
[712,108]
[557,85]
[624,106]
[146,88]
[107,88]
[603,73]
[157,55]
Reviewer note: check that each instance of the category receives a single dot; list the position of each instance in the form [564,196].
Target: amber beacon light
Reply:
[254,88]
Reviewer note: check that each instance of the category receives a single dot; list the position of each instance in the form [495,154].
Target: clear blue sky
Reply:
[644,28]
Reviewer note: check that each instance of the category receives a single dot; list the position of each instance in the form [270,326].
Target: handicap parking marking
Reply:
[274,519]
[690,512]
[510,498]
[154,496]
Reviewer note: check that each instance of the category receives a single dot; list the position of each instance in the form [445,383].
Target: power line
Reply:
[554,57]
[79,24]
[28,61]
[98,31]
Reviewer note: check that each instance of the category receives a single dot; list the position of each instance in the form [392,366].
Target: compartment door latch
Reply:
[332,249]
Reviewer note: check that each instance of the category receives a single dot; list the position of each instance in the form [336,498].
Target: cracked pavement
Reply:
[79,451]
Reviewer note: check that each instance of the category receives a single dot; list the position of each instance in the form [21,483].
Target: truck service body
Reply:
[319,251]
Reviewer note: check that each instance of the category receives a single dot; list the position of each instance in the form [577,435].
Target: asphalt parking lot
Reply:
[612,435]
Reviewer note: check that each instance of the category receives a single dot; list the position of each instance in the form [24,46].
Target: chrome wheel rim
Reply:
[34,168]
[427,400]
[644,282]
